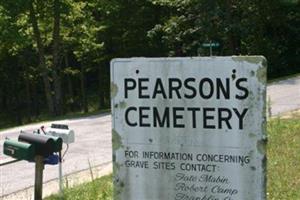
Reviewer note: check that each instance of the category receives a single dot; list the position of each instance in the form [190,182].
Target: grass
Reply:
[99,189]
[283,167]
[284,159]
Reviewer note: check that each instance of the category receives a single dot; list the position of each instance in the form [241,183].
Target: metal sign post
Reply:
[211,45]
[38,184]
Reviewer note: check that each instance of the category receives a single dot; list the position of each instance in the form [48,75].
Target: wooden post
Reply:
[60,175]
[38,184]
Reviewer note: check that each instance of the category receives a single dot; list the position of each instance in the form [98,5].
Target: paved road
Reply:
[93,140]
[284,95]
[92,143]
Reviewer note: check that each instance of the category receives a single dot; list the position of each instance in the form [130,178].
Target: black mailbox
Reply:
[57,142]
[44,146]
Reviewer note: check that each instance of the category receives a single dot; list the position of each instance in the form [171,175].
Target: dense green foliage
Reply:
[55,54]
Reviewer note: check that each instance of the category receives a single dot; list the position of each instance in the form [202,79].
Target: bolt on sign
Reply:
[189,128]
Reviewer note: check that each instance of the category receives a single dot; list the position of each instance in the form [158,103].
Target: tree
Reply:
[241,27]
[48,33]
[16,66]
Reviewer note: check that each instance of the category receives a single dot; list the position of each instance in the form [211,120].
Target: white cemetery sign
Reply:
[189,128]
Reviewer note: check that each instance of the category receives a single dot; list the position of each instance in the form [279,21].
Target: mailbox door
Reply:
[19,150]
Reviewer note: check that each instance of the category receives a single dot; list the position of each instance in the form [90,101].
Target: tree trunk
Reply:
[70,93]
[233,37]
[18,110]
[42,61]
[101,88]
[56,58]
[35,102]
[70,97]
[84,103]
[1,98]
[28,99]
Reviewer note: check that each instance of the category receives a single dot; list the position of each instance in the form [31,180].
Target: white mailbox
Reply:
[62,131]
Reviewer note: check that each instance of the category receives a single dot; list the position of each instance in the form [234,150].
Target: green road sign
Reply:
[213,44]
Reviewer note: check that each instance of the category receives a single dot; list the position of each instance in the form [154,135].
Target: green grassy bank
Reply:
[284,159]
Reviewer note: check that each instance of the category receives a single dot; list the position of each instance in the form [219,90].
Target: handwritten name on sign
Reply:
[189,128]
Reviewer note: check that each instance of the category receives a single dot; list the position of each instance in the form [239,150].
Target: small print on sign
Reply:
[189,128]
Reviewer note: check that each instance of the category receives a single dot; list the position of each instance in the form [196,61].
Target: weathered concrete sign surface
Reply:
[189,128]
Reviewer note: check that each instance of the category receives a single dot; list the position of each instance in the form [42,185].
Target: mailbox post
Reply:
[38,183]
[45,146]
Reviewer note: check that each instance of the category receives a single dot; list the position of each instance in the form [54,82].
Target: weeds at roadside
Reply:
[99,189]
